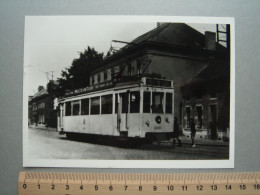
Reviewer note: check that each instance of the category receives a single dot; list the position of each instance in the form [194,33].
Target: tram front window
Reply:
[168,107]
[134,102]
[147,102]
[157,106]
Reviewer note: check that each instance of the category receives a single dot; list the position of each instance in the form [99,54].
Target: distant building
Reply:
[173,51]
[41,111]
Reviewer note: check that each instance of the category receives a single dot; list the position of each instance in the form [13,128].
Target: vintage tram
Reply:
[137,109]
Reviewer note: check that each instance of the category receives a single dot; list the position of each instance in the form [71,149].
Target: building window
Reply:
[187,111]
[213,95]
[129,69]
[68,109]
[135,102]
[34,106]
[168,108]
[41,105]
[98,78]
[147,102]
[90,80]
[157,106]
[199,114]
[138,66]
[85,106]
[41,119]
[133,69]
[105,76]
[106,104]
[93,80]
[95,105]
[112,73]
[75,108]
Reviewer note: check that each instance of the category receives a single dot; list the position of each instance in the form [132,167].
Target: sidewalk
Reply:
[42,127]
[204,142]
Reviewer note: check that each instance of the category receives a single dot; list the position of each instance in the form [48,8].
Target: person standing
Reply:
[193,132]
[176,132]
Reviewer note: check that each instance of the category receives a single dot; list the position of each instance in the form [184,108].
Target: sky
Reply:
[52,42]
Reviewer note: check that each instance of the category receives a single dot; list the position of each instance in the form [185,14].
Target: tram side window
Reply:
[147,102]
[157,106]
[95,105]
[134,102]
[85,107]
[107,103]
[168,103]
[68,109]
[75,108]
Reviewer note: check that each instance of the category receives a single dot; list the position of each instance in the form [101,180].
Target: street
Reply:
[48,144]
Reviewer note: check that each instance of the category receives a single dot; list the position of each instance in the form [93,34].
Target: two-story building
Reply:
[41,111]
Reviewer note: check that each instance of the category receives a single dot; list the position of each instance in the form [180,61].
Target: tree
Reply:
[78,74]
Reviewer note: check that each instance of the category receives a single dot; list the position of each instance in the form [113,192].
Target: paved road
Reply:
[45,144]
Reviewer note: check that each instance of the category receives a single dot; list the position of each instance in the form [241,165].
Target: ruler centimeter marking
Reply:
[41,183]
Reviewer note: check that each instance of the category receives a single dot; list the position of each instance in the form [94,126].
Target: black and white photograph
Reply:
[129,92]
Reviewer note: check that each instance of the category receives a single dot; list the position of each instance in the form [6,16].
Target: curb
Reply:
[204,142]
[43,128]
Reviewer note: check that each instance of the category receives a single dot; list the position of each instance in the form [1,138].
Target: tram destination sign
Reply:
[158,82]
[90,88]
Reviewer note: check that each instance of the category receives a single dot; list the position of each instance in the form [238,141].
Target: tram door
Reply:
[213,123]
[122,112]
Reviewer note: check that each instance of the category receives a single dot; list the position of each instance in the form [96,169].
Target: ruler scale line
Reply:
[39,183]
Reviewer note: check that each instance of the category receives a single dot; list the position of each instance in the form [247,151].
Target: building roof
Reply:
[40,94]
[211,79]
[178,34]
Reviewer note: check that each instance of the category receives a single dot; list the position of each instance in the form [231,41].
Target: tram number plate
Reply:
[157,127]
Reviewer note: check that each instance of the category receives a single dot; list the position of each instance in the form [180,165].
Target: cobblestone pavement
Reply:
[44,144]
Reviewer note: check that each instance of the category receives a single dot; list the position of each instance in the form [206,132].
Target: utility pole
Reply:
[223,34]
[47,75]
[52,75]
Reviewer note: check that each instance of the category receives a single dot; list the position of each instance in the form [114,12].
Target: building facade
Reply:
[42,112]
[206,100]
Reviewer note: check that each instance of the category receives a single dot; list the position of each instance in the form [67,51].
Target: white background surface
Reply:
[247,105]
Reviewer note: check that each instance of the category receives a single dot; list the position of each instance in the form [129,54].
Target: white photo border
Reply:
[187,164]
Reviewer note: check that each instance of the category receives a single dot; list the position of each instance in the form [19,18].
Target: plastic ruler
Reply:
[42,183]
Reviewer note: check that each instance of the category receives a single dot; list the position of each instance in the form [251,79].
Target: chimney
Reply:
[210,40]
[40,88]
[159,23]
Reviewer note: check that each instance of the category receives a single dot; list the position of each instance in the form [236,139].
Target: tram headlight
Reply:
[147,123]
[167,120]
